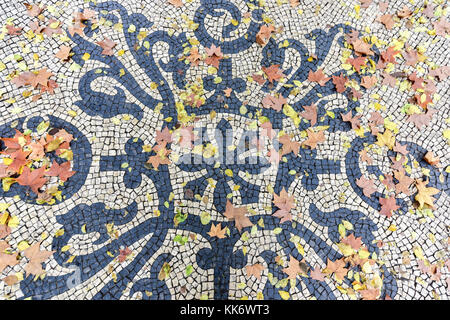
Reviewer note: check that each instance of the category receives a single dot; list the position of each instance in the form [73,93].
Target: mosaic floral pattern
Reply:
[127,229]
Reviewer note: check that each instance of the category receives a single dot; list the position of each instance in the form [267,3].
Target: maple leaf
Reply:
[163,136]
[440,73]
[310,114]
[33,10]
[386,139]
[289,145]
[404,12]
[194,56]
[401,148]
[353,242]
[389,55]
[264,34]
[340,82]
[33,179]
[397,164]
[259,79]
[176,3]
[337,267]
[417,81]
[365,157]
[423,99]
[285,203]
[367,185]
[273,72]
[214,55]
[274,102]
[411,57]
[357,62]
[314,138]
[388,80]
[13,31]
[361,47]
[388,181]
[388,205]
[37,151]
[424,194]
[387,20]
[369,81]
[160,157]
[41,78]
[64,53]
[238,215]
[63,135]
[318,77]
[51,29]
[352,36]
[293,269]
[62,171]
[107,45]
[123,254]
[316,274]
[36,257]
[353,120]
[19,158]
[254,270]
[422,119]
[404,182]
[217,231]
[442,27]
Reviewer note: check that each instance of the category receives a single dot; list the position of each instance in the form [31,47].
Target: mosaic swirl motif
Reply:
[173,197]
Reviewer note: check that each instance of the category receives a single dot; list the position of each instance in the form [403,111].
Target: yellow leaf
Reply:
[284,295]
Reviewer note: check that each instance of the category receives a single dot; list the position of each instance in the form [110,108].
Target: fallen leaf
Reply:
[33,179]
[275,103]
[318,77]
[367,185]
[285,204]
[237,215]
[254,270]
[107,45]
[425,195]
[310,114]
[388,205]
[217,231]
[314,138]
[273,72]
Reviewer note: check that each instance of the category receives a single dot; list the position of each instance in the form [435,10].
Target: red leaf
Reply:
[107,45]
[62,171]
[367,185]
[273,102]
[273,72]
[388,206]
[33,179]
[214,56]
[310,114]
[318,77]
[340,82]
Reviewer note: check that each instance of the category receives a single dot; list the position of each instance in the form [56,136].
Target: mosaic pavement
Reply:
[200,149]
